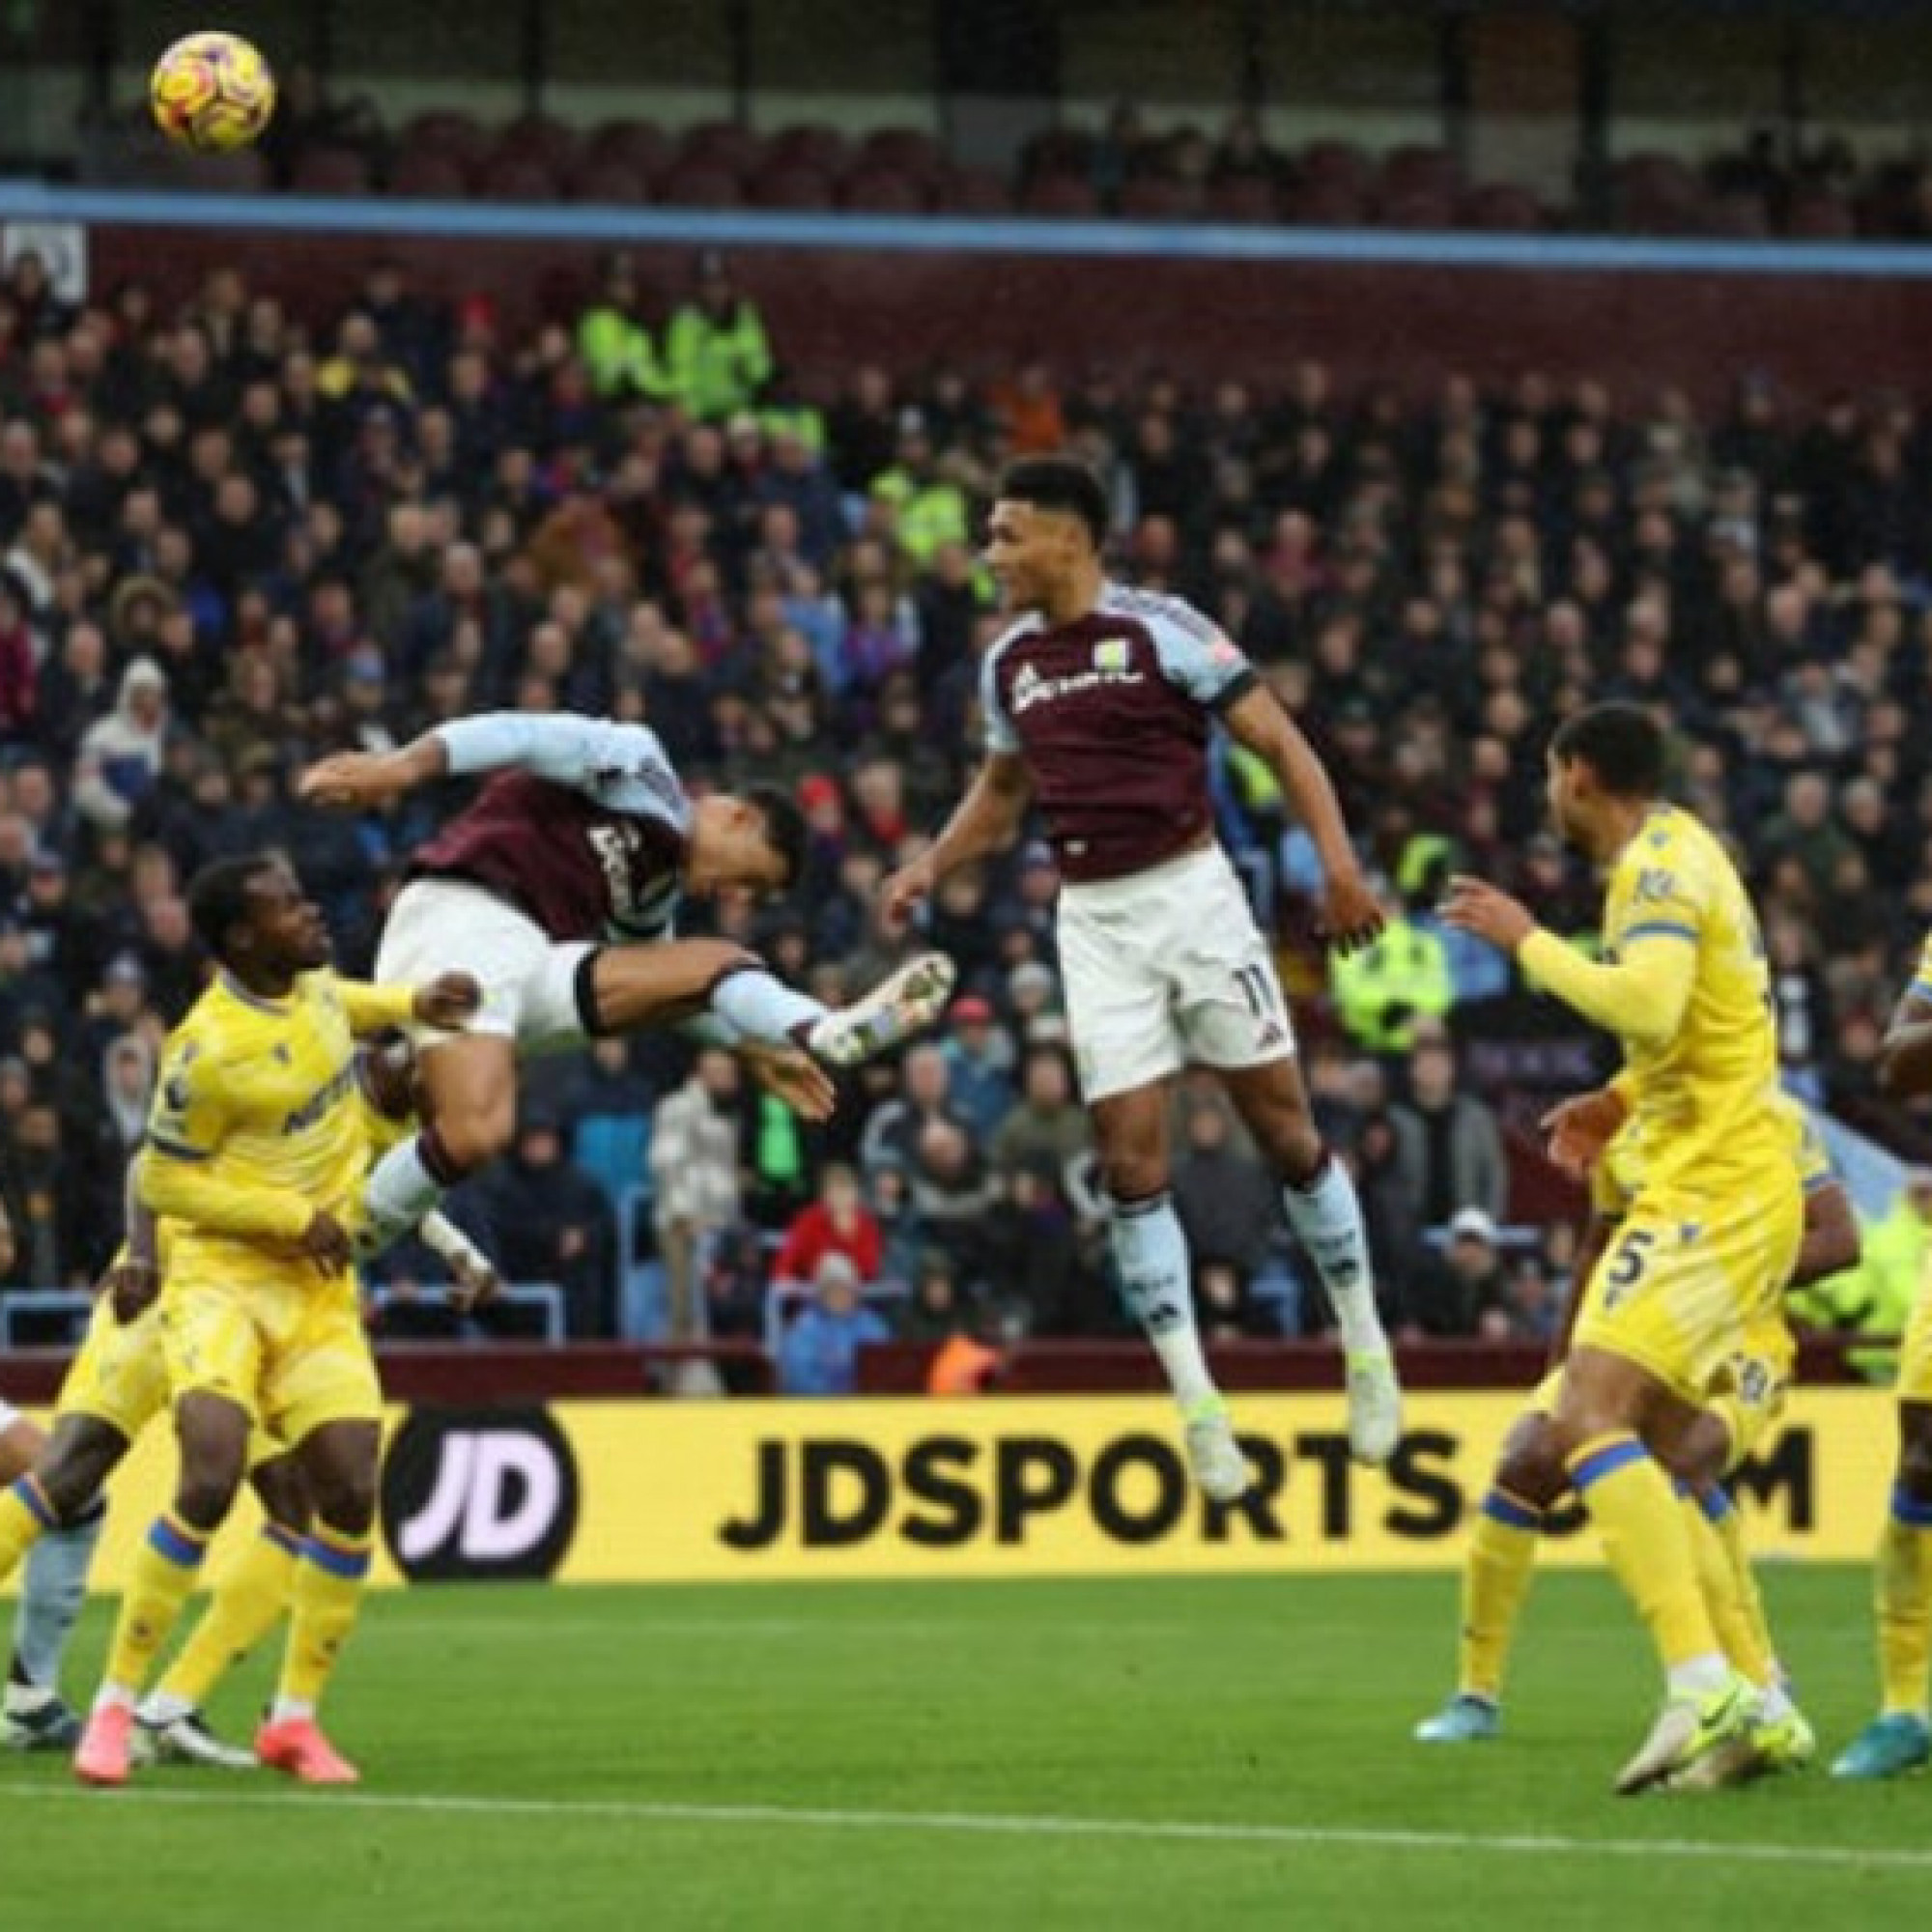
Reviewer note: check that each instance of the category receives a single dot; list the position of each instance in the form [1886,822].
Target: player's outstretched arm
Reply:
[449,1002]
[988,819]
[1832,1241]
[364,781]
[180,1187]
[475,1280]
[1641,998]
[1351,916]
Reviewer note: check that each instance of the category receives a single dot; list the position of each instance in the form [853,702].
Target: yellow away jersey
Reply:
[1705,1111]
[1617,1177]
[258,1119]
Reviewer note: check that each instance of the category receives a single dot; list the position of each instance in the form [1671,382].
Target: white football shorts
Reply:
[529,979]
[1167,968]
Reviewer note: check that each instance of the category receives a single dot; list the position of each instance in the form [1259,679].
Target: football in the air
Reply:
[211,92]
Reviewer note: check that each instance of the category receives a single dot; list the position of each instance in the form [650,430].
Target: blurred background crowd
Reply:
[234,537]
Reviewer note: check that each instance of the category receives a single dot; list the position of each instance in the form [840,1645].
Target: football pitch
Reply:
[1162,1754]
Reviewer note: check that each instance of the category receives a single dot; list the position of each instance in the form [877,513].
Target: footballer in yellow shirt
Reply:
[1716,1214]
[254,1155]
[1899,1738]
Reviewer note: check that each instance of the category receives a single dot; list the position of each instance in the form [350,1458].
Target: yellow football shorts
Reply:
[1750,1393]
[290,1349]
[1687,1285]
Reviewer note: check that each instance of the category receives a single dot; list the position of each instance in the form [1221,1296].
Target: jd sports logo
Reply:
[476,1494]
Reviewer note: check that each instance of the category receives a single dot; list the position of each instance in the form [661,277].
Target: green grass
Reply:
[550,1738]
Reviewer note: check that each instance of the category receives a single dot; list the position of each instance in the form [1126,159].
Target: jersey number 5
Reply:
[1626,1263]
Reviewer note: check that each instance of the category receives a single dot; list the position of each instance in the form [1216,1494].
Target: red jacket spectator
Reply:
[838,1223]
[18,680]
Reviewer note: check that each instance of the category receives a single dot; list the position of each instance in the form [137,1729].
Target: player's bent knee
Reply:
[206,1493]
[77,1465]
[1700,1456]
[1915,1466]
[1530,1466]
[470,1141]
[282,1492]
[347,1501]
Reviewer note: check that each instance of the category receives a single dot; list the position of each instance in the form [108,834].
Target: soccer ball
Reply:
[212,92]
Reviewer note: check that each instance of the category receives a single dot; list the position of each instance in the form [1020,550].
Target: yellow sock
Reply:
[160,1580]
[1496,1570]
[1730,1588]
[328,1589]
[1905,1604]
[1630,1502]
[25,1516]
[245,1607]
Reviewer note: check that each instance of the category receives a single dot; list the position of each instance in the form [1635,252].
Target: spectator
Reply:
[121,756]
[980,1065]
[1465,1290]
[837,1222]
[615,346]
[548,1222]
[719,355]
[819,1351]
[696,1170]
[1227,1204]
[1449,1145]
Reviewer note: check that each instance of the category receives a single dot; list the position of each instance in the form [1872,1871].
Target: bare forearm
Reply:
[988,820]
[141,1222]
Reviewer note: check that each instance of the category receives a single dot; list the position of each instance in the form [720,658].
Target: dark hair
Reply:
[785,826]
[1621,743]
[218,898]
[1058,483]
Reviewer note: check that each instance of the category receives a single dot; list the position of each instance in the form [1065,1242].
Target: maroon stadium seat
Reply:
[1336,164]
[809,144]
[1818,216]
[1737,215]
[539,138]
[697,184]
[1153,198]
[1418,209]
[1501,208]
[906,151]
[1244,198]
[510,178]
[1058,150]
[1416,169]
[445,132]
[877,191]
[243,172]
[429,175]
[641,145]
[331,171]
[790,187]
[721,144]
[1065,195]
[974,192]
[609,182]
[1320,204]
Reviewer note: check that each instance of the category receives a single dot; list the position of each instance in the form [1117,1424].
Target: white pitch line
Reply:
[992,1824]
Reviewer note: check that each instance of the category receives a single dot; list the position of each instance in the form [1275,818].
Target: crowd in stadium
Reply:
[234,538]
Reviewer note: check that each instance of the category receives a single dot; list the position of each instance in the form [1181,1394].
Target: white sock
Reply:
[1774,1705]
[762,1007]
[1327,1220]
[290,1710]
[1699,1676]
[401,1190]
[52,1587]
[1151,1252]
[164,1707]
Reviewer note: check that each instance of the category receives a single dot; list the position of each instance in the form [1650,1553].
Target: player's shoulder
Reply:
[1028,624]
[1165,615]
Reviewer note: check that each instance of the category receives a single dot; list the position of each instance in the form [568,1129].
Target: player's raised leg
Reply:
[1319,1200]
[1499,1563]
[214,1435]
[1151,1260]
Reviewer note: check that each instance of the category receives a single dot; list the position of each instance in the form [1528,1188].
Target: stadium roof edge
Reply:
[28,201]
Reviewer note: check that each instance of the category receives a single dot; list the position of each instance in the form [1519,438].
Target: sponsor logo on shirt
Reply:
[1030,688]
